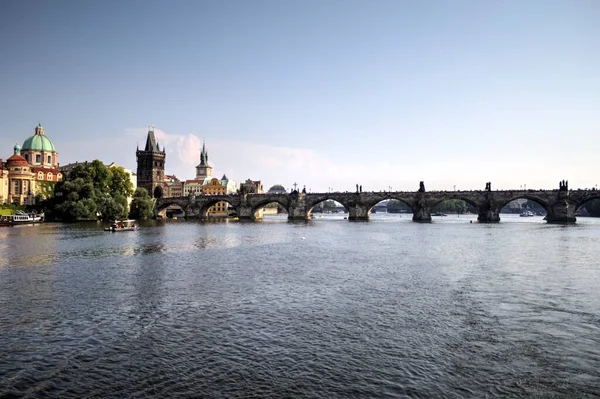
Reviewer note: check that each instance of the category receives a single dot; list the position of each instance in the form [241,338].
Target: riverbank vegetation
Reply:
[89,192]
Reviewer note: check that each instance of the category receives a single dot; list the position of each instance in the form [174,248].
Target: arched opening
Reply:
[170,210]
[524,207]
[158,192]
[328,208]
[218,209]
[454,206]
[270,210]
[590,207]
[389,207]
[174,212]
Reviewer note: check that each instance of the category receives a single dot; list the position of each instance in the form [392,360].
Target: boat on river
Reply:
[122,225]
[527,214]
[21,217]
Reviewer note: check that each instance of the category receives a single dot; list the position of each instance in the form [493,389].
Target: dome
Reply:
[38,142]
[278,188]
[17,160]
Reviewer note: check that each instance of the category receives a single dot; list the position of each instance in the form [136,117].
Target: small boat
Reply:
[526,214]
[122,225]
[21,217]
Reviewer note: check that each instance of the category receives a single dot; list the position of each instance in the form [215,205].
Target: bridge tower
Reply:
[203,170]
[151,166]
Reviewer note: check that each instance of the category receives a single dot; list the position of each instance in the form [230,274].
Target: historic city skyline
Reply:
[326,95]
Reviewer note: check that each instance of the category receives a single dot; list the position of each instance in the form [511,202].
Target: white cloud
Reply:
[319,170]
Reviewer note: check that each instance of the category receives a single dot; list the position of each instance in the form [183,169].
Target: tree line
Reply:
[94,191]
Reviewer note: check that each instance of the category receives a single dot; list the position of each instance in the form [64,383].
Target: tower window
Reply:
[50,159]
[38,158]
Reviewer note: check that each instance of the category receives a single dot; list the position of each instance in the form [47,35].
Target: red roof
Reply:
[17,160]
[195,181]
[45,170]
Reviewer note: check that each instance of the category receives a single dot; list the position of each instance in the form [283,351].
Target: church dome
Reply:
[38,142]
[278,188]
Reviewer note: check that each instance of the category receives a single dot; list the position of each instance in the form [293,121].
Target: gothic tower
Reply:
[151,166]
[203,170]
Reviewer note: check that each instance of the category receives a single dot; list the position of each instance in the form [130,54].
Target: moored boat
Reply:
[121,225]
[21,217]
[526,214]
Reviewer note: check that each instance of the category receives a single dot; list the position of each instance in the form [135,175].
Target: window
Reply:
[49,176]
[50,159]
[59,177]
[40,176]
[38,158]
[26,157]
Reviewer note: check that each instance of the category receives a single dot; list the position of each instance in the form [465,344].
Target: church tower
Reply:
[151,166]
[203,170]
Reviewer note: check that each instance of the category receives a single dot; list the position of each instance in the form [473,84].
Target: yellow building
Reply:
[24,175]
[19,180]
[221,208]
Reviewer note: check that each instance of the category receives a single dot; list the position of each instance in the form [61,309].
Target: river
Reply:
[327,309]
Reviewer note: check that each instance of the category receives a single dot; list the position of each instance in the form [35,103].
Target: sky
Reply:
[325,94]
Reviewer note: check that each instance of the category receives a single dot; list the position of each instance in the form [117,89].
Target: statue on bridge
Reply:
[563,185]
[488,186]
[421,187]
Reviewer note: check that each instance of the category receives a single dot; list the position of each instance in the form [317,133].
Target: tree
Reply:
[91,191]
[141,205]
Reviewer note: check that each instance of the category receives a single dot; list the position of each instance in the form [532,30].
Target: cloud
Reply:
[319,169]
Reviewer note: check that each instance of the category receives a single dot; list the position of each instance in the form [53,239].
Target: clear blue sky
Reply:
[325,93]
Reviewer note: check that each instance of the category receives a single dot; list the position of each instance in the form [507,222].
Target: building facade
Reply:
[31,172]
[151,166]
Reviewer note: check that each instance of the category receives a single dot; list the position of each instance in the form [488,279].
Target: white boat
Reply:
[526,214]
[21,217]
[122,225]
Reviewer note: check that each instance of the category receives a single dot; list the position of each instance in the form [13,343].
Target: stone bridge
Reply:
[560,205]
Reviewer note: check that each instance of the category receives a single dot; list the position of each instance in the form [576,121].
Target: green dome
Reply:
[38,142]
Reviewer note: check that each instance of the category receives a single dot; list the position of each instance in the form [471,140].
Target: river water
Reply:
[328,309]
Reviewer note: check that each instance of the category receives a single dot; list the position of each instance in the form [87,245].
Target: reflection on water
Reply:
[326,308]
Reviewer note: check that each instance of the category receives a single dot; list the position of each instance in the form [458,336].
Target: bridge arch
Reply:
[405,201]
[594,195]
[209,202]
[310,206]
[451,197]
[257,206]
[162,205]
[536,199]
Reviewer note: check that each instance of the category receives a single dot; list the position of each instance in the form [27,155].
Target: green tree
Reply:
[141,205]
[91,191]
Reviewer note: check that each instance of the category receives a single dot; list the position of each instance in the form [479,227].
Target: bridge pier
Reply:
[297,210]
[561,213]
[422,215]
[488,213]
[358,213]
[421,209]
[489,216]
[245,213]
